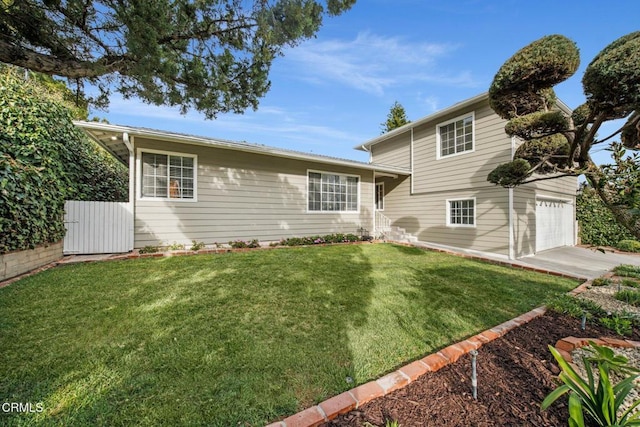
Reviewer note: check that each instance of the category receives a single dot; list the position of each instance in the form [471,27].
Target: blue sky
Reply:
[332,92]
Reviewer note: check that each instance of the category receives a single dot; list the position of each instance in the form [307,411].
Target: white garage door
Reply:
[554,224]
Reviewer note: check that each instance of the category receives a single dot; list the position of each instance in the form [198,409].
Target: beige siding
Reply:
[244,196]
[394,151]
[524,224]
[424,216]
[465,170]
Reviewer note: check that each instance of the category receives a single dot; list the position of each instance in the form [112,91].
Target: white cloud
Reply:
[373,63]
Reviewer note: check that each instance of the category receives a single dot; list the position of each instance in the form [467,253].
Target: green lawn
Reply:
[242,338]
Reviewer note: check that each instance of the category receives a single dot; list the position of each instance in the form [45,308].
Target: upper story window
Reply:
[455,136]
[168,175]
[329,192]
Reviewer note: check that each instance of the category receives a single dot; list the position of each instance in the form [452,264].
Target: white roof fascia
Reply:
[237,146]
[463,104]
[421,121]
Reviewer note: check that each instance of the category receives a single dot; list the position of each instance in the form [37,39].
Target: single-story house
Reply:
[426,180]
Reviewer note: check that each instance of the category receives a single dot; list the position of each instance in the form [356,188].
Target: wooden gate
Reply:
[98,227]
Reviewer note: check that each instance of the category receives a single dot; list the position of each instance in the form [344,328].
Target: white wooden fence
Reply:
[98,227]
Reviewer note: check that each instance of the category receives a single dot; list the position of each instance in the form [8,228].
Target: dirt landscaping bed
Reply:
[515,373]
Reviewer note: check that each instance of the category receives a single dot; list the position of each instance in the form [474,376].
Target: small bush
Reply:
[602,281]
[149,249]
[176,247]
[196,246]
[574,307]
[627,271]
[240,244]
[628,245]
[319,240]
[619,324]
[628,296]
[630,283]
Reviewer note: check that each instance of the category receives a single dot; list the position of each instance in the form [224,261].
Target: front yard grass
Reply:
[241,338]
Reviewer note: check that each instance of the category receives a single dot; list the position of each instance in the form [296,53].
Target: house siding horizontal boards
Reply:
[524,225]
[395,151]
[424,216]
[466,170]
[245,196]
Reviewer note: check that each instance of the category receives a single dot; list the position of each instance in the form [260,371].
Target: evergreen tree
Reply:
[397,117]
[556,144]
[211,55]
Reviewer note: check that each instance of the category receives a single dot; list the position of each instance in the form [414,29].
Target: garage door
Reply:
[554,224]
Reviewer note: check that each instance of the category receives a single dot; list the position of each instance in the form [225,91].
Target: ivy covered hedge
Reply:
[597,224]
[45,160]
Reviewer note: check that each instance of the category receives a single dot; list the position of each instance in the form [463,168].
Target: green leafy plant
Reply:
[630,283]
[600,400]
[241,244]
[628,245]
[574,307]
[629,296]
[627,270]
[176,247]
[602,281]
[620,324]
[149,249]
[196,246]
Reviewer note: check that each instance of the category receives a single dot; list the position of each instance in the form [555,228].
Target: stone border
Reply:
[566,345]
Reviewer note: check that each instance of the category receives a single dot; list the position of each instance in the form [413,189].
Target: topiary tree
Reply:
[555,144]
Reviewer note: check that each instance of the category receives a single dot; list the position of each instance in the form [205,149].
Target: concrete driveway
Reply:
[582,262]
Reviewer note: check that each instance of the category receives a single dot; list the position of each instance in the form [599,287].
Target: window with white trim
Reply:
[456,136]
[461,213]
[332,193]
[168,176]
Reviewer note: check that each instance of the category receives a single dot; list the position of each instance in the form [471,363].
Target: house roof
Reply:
[112,138]
[438,114]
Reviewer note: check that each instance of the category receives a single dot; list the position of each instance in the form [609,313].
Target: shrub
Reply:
[619,324]
[149,249]
[196,246]
[627,271]
[602,281]
[597,224]
[176,247]
[628,296]
[45,160]
[240,244]
[630,283]
[628,245]
[574,307]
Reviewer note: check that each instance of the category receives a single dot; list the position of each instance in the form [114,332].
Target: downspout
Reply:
[364,148]
[132,185]
[512,252]
[411,162]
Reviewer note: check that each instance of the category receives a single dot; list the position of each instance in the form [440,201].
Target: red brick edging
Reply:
[358,396]
[566,345]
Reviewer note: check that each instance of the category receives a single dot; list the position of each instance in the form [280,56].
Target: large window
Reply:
[329,192]
[456,136]
[168,176]
[461,213]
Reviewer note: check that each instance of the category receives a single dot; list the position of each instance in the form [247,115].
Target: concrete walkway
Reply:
[578,261]
[572,261]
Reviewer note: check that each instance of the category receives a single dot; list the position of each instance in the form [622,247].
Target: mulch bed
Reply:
[515,373]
